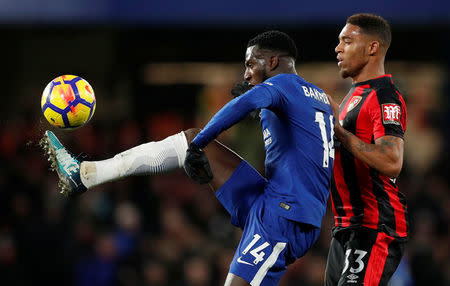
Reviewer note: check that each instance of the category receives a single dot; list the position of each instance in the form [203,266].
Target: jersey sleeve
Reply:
[233,112]
[388,113]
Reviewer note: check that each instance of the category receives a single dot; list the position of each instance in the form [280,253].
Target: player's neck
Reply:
[286,65]
[370,71]
[286,69]
[281,71]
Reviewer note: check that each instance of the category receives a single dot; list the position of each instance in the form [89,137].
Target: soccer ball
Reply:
[68,102]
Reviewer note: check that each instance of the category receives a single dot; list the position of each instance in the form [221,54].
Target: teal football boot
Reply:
[65,164]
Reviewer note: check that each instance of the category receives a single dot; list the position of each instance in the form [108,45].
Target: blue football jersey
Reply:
[297,123]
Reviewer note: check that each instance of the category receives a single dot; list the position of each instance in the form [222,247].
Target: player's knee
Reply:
[191,133]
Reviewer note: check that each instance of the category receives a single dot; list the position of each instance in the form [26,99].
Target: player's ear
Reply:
[374,46]
[274,61]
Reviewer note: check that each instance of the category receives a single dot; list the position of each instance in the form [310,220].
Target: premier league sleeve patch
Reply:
[391,113]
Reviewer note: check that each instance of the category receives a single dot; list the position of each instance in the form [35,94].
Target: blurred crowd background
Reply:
[158,68]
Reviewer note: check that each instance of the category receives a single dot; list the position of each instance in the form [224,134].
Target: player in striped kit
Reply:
[371,218]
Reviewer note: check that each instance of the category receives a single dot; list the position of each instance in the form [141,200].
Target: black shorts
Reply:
[362,256]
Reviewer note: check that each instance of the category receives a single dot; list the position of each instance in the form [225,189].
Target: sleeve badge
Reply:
[391,113]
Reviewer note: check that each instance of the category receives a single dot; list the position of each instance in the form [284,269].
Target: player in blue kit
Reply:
[280,213]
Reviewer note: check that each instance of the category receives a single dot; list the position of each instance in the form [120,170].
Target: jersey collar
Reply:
[383,78]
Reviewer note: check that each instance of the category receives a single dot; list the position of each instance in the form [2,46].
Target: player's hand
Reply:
[339,131]
[241,88]
[335,108]
[196,165]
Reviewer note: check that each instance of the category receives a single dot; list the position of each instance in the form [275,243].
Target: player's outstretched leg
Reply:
[146,159]
[150,158]
[64,163]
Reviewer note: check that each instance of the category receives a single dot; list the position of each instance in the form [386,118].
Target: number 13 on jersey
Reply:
[328,146]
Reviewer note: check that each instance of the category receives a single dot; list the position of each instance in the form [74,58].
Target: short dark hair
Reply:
[275,41]
[373,25]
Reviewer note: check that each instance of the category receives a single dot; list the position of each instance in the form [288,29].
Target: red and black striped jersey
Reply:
[360,195]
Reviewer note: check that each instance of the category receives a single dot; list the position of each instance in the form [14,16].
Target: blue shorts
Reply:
[269,242]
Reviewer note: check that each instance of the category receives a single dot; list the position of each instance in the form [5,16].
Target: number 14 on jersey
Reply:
[328,146]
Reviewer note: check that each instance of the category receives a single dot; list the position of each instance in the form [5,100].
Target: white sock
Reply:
[146,159]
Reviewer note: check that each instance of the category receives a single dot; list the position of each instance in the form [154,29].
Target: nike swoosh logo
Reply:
[239,260]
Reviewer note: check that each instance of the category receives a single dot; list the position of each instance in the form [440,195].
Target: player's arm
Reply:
[233,112]
[385,156]
[196,164]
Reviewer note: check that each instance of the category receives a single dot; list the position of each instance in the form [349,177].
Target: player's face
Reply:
[255,66]
[351,51]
